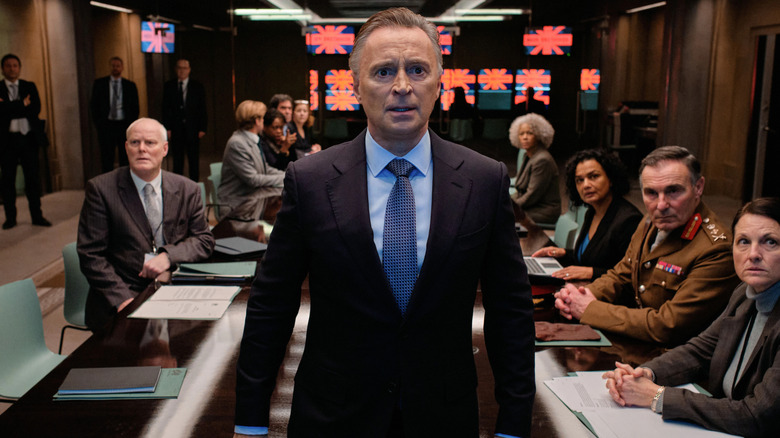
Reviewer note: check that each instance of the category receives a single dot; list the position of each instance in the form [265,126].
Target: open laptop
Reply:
[542,266]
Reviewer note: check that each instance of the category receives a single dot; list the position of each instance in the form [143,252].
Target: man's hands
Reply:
[155,266]
[631,386]
[572,301]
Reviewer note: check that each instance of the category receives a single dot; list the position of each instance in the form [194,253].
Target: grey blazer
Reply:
[114,234]
[754,410]
[244,170]
[537,188]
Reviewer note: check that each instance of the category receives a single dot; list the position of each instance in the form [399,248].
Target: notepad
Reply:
[110,380]
[168,387]
[187,302]
[236,246]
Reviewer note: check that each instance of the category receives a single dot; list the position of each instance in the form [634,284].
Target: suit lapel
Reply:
[348,196]
[730,335]
[129,196]
[172,199]
[451,190]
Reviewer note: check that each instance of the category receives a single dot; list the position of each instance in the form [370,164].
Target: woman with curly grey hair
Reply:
[537,194]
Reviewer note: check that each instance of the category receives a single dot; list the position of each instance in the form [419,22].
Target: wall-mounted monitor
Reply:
[314,88]
[495,89]
[452,78]
[538,79]
[548,40]
[157,37]
[590,78]
[445,40]
[339,91]
[330,40]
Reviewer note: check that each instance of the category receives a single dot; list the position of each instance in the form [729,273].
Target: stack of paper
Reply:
[187,302]
[586,395]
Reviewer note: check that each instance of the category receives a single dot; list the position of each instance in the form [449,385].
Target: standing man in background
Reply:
[21,133]
[395,229]
[114,106]
[185,118]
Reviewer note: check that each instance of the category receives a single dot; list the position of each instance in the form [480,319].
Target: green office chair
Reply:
[520,158]
[566,230]
[214,181]
[76,290]
[25,359]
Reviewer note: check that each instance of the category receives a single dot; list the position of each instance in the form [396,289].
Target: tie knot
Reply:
[400,167]
[148,190]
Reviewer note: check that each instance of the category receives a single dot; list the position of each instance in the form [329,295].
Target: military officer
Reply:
[677,274]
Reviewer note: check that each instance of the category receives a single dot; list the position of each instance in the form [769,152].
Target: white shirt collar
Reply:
[140,183]
[9,83]
[378,157]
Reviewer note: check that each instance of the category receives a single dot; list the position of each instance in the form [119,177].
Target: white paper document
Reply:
[187,302]
[587,393]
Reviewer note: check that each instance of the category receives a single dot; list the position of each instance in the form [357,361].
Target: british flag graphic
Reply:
[157,37]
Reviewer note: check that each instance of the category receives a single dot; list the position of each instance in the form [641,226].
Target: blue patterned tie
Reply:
[399,241]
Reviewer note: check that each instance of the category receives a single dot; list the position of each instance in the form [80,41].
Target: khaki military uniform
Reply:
[672,293]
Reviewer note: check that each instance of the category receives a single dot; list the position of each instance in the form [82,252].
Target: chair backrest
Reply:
[76,287]
[25,359]
[202,194]
[566,231]
[520,158]
[216,168]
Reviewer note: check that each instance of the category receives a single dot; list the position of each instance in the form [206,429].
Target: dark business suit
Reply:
[611,239]
[184,122]
[363,358]
[111,133]
[114,234]
[753,410]
[16,148]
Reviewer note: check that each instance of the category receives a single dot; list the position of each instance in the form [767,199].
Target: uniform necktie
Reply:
[399,241]
[114,100]
[154,214]
[13,92]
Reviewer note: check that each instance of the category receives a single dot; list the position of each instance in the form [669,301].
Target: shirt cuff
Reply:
[251,430]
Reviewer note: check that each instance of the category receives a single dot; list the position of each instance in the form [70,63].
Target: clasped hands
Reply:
[571,301]
[630,386]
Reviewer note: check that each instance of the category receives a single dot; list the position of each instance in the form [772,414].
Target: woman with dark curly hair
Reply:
[597,179]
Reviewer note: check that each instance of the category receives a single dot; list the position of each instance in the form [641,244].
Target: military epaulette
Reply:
[714,232]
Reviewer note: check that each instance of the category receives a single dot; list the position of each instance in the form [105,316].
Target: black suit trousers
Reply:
[20,149]
[185,142]
[111,137]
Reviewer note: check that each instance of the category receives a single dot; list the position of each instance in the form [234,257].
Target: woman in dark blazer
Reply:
[301,124]
[739,353]
[597,179]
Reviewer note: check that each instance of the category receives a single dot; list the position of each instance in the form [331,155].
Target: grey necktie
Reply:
[114,100]
[154,214]
[13,92]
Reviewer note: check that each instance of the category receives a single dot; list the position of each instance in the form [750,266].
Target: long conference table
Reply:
[209,351]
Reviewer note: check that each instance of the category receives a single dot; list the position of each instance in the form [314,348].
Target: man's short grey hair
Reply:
[163,131]
[673,153]
[394,17]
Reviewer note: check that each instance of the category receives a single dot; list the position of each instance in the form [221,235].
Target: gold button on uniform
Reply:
[648,265]
[663,284]
[641,288]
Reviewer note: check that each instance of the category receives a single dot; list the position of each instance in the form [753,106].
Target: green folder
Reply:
[168,386]
[226,271]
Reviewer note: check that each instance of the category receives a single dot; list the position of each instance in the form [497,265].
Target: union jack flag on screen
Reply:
[457,77]
[445,40]
[538,79]
[157,37]
[590,78]
[495,79]
[314,85]
[339,92]
[330,40]
[548,40]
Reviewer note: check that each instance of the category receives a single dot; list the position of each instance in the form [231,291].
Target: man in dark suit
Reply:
[393,266]
[184,116]
[21,133]
[114,106]
[128,234]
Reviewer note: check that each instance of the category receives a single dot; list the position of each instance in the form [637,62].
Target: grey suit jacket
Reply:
[114,234]
[537,188]
[754,410]
[244,170]
[362,356]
